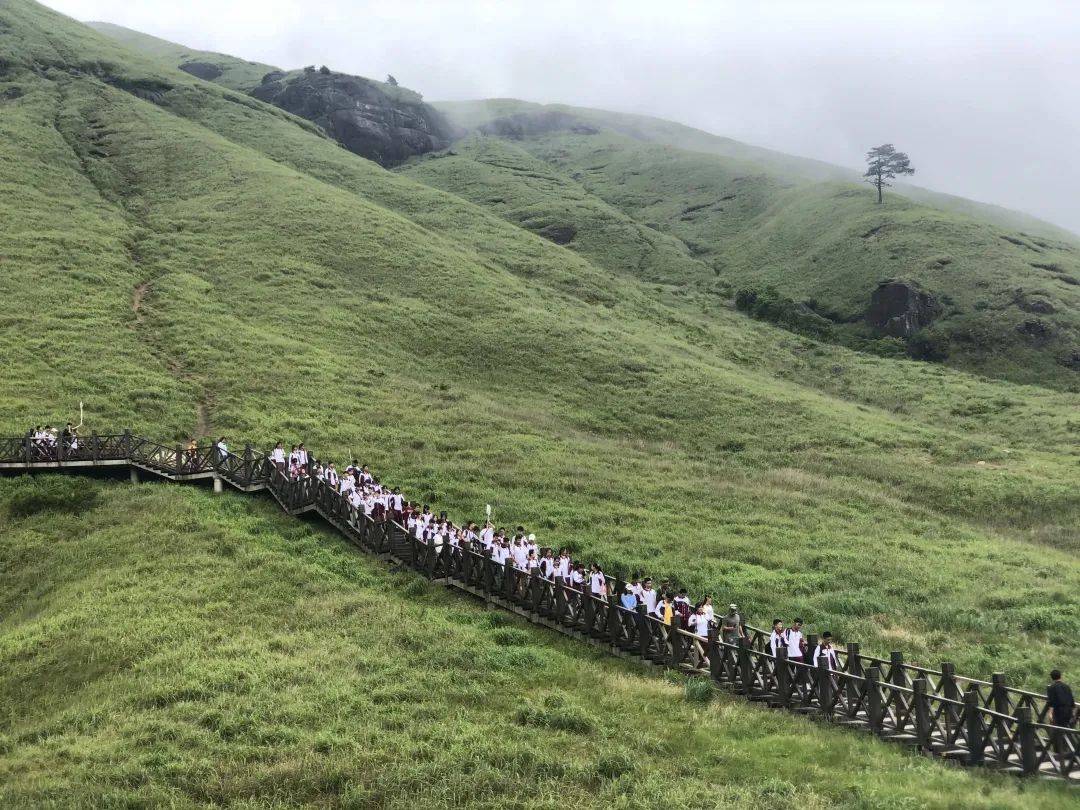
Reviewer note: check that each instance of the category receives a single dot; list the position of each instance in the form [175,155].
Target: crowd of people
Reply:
[45,439]
[366,493]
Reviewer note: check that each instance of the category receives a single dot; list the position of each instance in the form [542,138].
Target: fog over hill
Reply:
[980,94]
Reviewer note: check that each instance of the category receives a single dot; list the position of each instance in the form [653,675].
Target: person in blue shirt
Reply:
[629,598]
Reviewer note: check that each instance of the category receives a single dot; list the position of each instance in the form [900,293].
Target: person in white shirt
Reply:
[825,652]
[648,596]
[699,622]
[519,553]
[778,637]
[706,604]
[355,498]
[562,567]
[548,565]
[222,449]
[277,455]
[302,455]
[597,581]
[331,476]
[577,577]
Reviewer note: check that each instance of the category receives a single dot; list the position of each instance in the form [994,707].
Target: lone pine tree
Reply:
[884,163]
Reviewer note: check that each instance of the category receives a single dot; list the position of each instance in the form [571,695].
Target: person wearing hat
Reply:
[628,599]
[732,625]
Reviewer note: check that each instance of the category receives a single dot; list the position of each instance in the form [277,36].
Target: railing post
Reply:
[975,740]
[179,460]
[855,668]
[875,708]
[746,671]
[28,448]
[896,668]
[950,691]
[249,471]
[823,675]
[675,639]
[1000,694]
[560,607]
[508,580]
[783,678]
[125,444]
[95,446]
[716,664]
[1025,732]
[614,616]
[588,609]
[922,714]
[644,631]
[61,449]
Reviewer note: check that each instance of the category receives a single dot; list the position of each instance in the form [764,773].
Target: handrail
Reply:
[981,722]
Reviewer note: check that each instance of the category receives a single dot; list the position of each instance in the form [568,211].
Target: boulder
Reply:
[899,309]
[386,127]
[202,70]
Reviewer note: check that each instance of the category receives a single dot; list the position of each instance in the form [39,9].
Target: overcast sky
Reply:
[984,96]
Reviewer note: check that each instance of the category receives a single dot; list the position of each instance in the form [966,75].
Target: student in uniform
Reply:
[277,455]
[597,581]
[331,477]
[665,609]
[824,652]
[648,596]
[699,622]
[222,449]
[796,649]
[778,637]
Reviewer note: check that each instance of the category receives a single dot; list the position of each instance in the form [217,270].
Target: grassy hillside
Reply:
[167,647]
[1009,302]
[186,259]
[237,74]
[648,129]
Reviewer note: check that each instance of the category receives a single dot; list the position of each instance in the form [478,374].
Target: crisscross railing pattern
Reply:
[937,711]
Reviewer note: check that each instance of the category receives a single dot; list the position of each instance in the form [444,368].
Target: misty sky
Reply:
[984,96]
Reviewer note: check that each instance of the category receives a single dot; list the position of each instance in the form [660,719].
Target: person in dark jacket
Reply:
[1059,698]
[1063,709]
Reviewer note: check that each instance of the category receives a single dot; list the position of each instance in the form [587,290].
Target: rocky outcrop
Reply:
[1035,330]
[381,123]
[899,309]
[202,70]
[530,125]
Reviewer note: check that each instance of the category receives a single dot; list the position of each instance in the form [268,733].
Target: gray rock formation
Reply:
[202,70]
[387,127]
[899,309]
[529,125]
[1034,329]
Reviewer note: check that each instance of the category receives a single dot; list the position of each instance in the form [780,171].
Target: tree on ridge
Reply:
[884,163]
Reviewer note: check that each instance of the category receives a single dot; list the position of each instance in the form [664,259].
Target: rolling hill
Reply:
[187,259]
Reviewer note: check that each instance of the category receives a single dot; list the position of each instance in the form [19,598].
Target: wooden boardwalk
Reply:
[935,711]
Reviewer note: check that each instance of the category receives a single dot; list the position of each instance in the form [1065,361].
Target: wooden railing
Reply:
[970,721]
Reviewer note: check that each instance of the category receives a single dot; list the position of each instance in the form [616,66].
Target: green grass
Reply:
[263,662]
[289,289]
[751,226]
